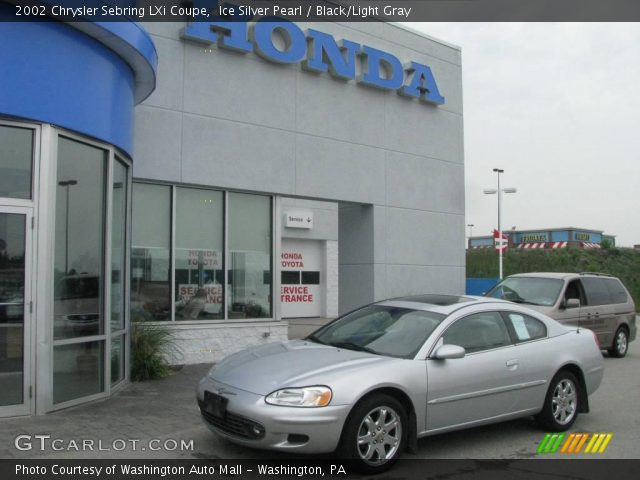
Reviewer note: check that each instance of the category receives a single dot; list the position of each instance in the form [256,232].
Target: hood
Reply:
[297,363]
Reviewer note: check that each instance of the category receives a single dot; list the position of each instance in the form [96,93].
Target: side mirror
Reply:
[571,303]
[447,351]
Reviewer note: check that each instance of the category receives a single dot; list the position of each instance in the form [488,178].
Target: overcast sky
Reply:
[557,106]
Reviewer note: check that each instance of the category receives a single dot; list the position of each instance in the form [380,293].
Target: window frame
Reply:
[275,271]
[113,154]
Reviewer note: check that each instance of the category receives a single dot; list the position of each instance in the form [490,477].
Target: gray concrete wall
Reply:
[235,121]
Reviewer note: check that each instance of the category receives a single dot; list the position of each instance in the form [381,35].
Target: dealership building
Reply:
[216,178]
[547,238]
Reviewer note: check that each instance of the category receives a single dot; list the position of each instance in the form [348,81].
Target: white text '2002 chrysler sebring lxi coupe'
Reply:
[373,381]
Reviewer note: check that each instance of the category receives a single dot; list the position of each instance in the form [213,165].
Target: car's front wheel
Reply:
[375,433]
[620,343]
[561,403]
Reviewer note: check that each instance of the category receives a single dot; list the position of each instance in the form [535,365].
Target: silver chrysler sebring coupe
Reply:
[372,382]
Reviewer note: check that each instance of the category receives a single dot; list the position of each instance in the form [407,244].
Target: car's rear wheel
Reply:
[620,343]
[561,402]
[375,433]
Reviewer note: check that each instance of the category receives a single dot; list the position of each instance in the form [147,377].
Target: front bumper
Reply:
[252,422]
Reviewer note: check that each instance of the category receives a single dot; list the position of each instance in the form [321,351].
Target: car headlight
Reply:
[316,396]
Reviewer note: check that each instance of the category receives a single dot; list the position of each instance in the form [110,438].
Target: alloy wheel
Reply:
[379,435]
[564,401]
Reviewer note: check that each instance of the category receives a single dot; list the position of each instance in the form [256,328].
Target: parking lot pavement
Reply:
[165,412]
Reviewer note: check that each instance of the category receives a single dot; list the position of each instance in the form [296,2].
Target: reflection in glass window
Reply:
[118,222]
[392,331]
[79,240]
[78,370]
[199,254]
[12,283]
[477,332]
[117,359]
[150,259]
[16,156]
[249,255]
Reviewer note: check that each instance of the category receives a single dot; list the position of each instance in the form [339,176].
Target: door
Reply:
[15,311]
[597,314]
[480,386]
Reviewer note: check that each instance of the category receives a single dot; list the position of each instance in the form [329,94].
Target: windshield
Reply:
[530,290]
[396,332]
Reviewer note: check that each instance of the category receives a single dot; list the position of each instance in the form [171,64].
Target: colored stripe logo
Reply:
[574,443]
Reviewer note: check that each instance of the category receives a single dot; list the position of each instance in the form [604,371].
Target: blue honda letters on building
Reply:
[320,52]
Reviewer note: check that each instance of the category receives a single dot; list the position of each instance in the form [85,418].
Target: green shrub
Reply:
[151,343]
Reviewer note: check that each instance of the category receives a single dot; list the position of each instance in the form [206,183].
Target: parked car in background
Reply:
[597,301]
[371,382]
[77,306]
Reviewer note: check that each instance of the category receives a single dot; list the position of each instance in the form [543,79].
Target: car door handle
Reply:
[512,363]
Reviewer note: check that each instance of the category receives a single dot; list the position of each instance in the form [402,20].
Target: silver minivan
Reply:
[596,301]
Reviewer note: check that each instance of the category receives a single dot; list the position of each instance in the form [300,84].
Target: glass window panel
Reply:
[288,277]
[16,160]
[12,258]
[79,240]
[78,370]
[597,291]
[150,254]
[478,332]
[118,244]
[199,259]
[250,242]
[526,328]
[311,278]
[117,359]
[616,290]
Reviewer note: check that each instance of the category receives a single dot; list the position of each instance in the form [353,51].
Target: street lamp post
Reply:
[499,191]
[67,184]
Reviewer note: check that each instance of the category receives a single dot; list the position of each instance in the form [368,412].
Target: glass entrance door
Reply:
[15,305]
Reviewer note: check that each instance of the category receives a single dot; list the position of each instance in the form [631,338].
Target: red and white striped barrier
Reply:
[590,245]
[529,246]
[559,244]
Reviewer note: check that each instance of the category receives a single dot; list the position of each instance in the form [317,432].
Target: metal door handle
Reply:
[512,363]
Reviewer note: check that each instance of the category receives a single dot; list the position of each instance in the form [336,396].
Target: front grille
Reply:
[235,425]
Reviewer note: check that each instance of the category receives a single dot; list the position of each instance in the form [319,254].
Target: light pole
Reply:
[67,184]
[499,191]
[470,225]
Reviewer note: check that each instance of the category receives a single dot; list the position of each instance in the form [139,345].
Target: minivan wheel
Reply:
[561,403]
[620,343]
[375,433]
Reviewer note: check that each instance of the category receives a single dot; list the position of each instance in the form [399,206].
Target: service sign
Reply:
[298,219]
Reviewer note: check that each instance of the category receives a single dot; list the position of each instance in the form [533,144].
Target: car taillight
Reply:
[595,337]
